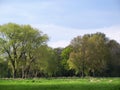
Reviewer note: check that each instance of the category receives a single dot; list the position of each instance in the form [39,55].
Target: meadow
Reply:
[61,84]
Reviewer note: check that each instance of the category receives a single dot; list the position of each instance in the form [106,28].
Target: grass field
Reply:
[61,84]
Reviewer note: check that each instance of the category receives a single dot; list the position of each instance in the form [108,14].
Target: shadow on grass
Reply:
[62,87]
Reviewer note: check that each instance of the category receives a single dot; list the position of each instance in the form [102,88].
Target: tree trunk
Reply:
[83,68]
[83,72]
[14,73]
[23,74]
[93,73]
[36,74]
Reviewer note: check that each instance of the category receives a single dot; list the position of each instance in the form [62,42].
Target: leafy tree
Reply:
[114,60]
[89,52]
[64,65]
[48,62]
[98,53]
[58,58]
[4,69]
[19,44]
[77,57]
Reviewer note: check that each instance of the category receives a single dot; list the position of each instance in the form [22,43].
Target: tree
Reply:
[98,53]
[4,69]
[113,64]
[77,58]
[64,65]
[48,62]
[89,52]
[54,67]
[19,43]
[58,58]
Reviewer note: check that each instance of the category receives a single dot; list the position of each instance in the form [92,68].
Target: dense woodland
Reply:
[24,53]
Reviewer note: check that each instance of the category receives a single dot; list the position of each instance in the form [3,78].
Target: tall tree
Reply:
[98,53]
[18,43]
[89,52]
[114,61]
[58,58]
[77,58]
[48,62]
[64,65]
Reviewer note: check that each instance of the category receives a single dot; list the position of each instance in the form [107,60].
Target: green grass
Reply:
[61,84]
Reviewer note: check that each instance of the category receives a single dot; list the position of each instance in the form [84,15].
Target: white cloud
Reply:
[112,32]
[61,36]
[56,44]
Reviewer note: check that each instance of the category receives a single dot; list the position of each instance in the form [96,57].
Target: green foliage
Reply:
[66,52]
[113,67]
[89,52]
[51,66]
[24,53]
[19,44]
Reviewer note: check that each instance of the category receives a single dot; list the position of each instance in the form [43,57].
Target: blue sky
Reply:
[62,20]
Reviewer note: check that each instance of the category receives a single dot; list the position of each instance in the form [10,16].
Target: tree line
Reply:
[24,53]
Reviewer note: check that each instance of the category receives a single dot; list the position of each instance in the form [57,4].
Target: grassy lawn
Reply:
[61,84]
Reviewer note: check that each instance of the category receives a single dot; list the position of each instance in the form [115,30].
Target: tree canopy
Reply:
[24,53]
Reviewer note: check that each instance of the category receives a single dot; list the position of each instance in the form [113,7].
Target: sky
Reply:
[62,20]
